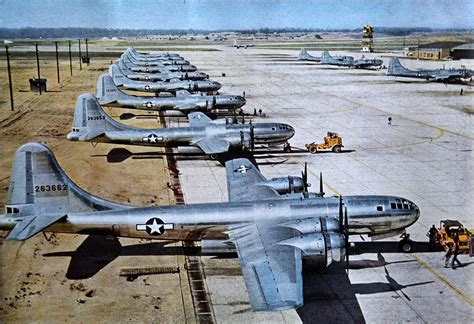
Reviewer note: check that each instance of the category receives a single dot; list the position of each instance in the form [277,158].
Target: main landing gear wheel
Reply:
[287,148]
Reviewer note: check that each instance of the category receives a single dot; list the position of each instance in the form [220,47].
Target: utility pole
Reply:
[87,52]
[38,65]
[57,61]
[9,78]
[80,55]
[70,58]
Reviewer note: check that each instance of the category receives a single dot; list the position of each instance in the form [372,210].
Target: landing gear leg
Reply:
[287,148]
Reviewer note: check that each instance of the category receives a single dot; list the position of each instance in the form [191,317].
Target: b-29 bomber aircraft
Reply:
[156,61]
[204,135]
[151,57]
[349,61]
[121,80]
[184,102]
[163,76]
[155,68]
[304,56]
[272,232]
[395,68]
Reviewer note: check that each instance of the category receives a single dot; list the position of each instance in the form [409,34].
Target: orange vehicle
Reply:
[449,230]
[331,142]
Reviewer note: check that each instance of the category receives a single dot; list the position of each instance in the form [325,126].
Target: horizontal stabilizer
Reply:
[31,225]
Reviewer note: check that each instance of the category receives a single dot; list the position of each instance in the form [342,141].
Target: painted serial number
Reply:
[59,187]
[95,117]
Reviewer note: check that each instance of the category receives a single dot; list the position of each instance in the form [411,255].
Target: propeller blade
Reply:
[214,101]
[346,237]
[242,140]
[340,214]
[321,189]
[252,135]
[290,184]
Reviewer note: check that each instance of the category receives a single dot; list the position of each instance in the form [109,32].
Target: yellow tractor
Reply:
[449,229]
[331,142]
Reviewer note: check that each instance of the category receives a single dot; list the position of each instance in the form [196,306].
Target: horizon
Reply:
[214,15]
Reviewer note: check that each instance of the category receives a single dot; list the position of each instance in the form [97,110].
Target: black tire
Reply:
[213,156]
[287,149]
[313,150]
[337,149]
[406,246]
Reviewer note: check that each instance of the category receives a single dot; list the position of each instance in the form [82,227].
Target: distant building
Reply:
[432,51]
[465,51]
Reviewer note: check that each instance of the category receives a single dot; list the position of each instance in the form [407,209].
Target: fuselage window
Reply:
[393,205]
[379,208]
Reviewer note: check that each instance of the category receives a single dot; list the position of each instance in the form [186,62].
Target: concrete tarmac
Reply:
[425,156]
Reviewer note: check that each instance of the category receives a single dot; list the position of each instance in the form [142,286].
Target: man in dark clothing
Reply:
[432,234]
[455,253]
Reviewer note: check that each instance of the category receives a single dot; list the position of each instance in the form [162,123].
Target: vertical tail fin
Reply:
[117,75]
[41,194]
[303,53]
[90,121]
[107,91]
[395,67]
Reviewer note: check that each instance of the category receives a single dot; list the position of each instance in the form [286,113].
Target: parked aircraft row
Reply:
[273,223]
[395,68]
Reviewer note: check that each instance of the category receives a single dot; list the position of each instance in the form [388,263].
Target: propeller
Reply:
[252,136]
[186,76]
[242,140]
[346,237]
[321,189]
[304,177]
[344,223]
[214,101]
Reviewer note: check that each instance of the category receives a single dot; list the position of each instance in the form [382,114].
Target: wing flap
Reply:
[32,225]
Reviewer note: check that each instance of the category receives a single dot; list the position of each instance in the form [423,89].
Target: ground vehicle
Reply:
[331,142]
[449,230]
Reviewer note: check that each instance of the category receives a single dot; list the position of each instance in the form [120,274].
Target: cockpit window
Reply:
[393,205]
[399,204]
[405,204]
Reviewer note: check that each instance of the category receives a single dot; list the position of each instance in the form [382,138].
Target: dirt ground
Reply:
[73,278]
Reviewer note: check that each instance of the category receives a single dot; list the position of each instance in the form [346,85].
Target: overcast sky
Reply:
[236,14]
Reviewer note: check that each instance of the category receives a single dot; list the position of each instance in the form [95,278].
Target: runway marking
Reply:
[468,299]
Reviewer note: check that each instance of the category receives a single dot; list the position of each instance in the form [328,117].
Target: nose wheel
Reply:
[405,244]
[287,148]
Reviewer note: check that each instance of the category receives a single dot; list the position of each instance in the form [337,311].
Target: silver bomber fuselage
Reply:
[203,85]
[264,133]
[203,102]
[366,215]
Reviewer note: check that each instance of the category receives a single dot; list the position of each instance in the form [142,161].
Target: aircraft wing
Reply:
[32,225]
[272,272]
[244,182]
[197,119]
[213,145]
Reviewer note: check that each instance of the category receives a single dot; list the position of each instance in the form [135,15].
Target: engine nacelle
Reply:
[286,185]
[314,225]
[326,247]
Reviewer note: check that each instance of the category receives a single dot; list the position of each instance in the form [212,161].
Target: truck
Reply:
[331,142]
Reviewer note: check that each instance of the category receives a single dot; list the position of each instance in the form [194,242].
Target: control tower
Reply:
[368,39]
